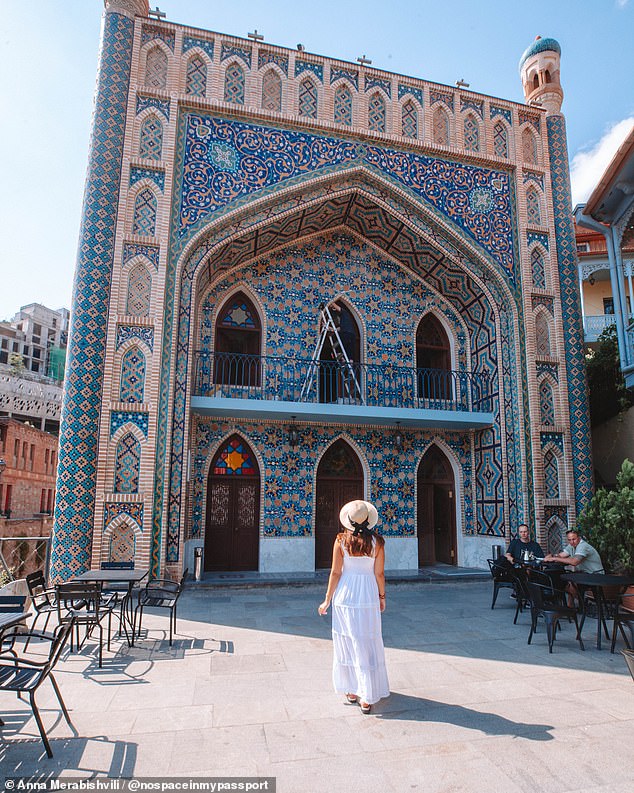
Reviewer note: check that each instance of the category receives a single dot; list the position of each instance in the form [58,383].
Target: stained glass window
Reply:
[533,209]
[238,313]
[144,213]
[376,113]
[551,474]
[139,292]
[500,140]
[235,459]
[156,68]
[343,106]
[441,127]
[546,404]
[196,80]
[151,139]
[409,120]
[132,376]
[538,270]
[308,99]
[234,84]
[471,134]
[272,91]
[127,461]
[529,146]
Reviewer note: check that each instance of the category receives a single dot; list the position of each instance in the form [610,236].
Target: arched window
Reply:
[547,77]
[132,383]
[551,474]
[433,359]
[272,91]
[343,106]
[139,292]
[500,140]
[238,343]
[234,84]
[535,81]
[308,99]
[127,463]
[529,146]
[538,269]
[196,78]
[546,404]
[122,543]
[376,113]
[151,139]
[409,120]
[156,68]
[144,213]
[555,533]
[542,334]
[441,127]
[533,208]
[471,133]
[338,380]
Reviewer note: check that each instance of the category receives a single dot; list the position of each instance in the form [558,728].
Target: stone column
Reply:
[76,474]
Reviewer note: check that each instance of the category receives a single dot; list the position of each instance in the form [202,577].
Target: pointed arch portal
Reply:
[436,516]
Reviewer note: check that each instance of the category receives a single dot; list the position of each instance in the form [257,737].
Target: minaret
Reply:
[540,72]
[76,473]
[539,69]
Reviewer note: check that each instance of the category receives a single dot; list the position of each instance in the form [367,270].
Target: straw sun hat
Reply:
[355,513]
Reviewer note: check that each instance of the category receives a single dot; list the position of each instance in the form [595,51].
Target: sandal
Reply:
[351,699]
[365,708]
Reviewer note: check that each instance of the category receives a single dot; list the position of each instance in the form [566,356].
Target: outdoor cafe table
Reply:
[10,620]
[129,577]
[596,582]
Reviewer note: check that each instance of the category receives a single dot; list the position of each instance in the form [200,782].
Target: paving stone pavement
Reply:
[246,691]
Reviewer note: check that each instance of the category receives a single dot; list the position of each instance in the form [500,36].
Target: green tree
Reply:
[608,522]
[608,394]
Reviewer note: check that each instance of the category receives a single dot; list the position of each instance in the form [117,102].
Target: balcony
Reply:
[593,326]
[269,387]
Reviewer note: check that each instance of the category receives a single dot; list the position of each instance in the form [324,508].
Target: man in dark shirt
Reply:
[519,545]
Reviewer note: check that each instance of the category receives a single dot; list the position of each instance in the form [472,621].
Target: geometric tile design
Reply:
[132,376]
[112,510]
[234,84]
[409,120]
[118,418]
[343,106]
[76,476]
[542,335]
[156,69]
[535,236]
[162,105]
[546,404]
[441,127]
[144,222]
[551,475]
[552,439]
[537,269]
[348,74]
[404,90]
[230,50]
[154,175]
[271,91]
[376,113]
[141,332]
[127,463]
[531,176]
[556,527]
[377,82]
[122,543]
[471,133]
[472,104]
[571,312]
[151,139]
[139,292]
[547,368]
[273,57]
[308,99]
[206,46]
[533,207]
[196,76]
[151,252]
[441,96]
[524,117]
[501,111]
[500,140]
[529,146]
[306,66]
[543,300]
[150,33]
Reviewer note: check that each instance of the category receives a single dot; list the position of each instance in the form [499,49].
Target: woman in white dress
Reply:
[356,588]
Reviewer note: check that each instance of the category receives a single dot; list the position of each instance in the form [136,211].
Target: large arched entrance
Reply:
[233,509]
[339,480]
[436,517]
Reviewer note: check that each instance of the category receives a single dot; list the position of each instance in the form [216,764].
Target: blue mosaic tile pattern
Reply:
[472,104]
[531,176]
[350,75]
[543,300]
[127,465]
[543,368]
[112,510]
[189,42]
[118,418]
[231,50]
[273,57]
[306,66]
[571,311]
[162,105]
[132,383]
[535,236]
[478,200]
[153,174]
[141,332]
[377,82]
[152,32]
[441,96]
[524,118]
[76,477]
[501,111]
[417,93]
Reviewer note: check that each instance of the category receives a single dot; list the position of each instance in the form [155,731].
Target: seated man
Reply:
[578,554]
[519,545]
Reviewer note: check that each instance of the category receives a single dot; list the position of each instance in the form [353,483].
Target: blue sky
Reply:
[48,62]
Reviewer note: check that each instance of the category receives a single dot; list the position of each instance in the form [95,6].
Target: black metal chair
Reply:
[81,603]
[552,613]
[629,660]
[160,593]
[503,578]
[24,675]
[623,614]
[117,594]
[42,599]
[10,604]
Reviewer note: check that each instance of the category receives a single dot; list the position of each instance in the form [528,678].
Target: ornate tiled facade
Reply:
[375,204]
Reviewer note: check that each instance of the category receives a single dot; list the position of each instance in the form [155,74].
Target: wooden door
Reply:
[233,509]
[339,480]
[436,513]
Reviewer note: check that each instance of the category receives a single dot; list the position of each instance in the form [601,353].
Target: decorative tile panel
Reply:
[552,438]
[141,332]
[535,236]
[524,118]
[377,82]
[162,105]
[502,111]
[231,50]
[350,75]
[417,93]
[441,96]
[531,176]
[265,57]
[120,417]
[306,66]
[132,509]
[472,104]
[153,174]
[151,252]
[189,42]
[152,32]
[543,368]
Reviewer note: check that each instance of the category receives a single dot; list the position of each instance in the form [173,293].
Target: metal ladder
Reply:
[330,330]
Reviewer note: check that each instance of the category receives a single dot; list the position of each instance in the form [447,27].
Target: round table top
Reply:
[599,579]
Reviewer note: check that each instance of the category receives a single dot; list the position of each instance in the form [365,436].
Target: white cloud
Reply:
[621,3]
[587,167]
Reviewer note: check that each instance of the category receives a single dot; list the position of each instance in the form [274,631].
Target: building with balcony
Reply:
[239,193]
[36,338]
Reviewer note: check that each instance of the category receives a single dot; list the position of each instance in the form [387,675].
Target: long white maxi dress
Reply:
[359,657]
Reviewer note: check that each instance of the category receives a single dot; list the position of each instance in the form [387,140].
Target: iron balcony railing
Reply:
[236,376]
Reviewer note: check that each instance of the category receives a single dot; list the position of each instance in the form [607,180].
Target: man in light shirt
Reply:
[578,554]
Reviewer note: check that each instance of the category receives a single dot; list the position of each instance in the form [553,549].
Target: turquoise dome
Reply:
[540,45]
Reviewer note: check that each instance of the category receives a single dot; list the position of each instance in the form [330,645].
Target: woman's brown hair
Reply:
[361,545]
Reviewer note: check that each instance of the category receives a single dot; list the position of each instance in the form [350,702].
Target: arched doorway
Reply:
[339,480]
[436,516]
[233,509]
[237,343]
[433,359]
[337,380]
